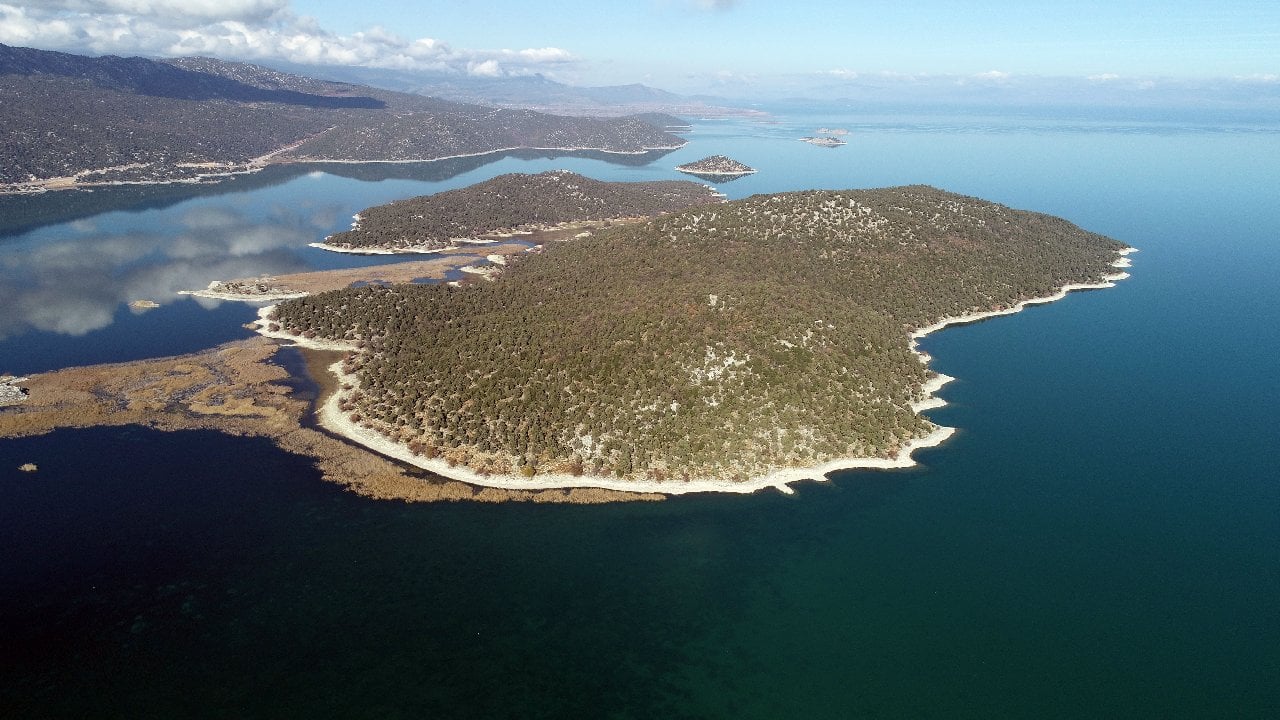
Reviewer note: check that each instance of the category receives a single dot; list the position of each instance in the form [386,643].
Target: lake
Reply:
[1101,537]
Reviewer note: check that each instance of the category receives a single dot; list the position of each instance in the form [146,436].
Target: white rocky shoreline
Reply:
[330,417]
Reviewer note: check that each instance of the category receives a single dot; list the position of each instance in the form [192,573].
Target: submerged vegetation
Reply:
[722,341]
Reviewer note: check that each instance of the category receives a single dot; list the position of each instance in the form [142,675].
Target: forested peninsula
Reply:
[722,345]
[508,204]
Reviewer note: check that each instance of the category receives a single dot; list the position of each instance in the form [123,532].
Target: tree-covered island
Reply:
[716,166]
[723,342]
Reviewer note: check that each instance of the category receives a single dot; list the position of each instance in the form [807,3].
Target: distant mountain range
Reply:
[536,92]
[71,120]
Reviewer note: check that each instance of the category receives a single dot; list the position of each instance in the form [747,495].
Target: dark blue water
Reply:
[1100,538]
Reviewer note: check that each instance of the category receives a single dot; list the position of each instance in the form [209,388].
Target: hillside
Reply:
[720,342]
[513,202]
[109,119]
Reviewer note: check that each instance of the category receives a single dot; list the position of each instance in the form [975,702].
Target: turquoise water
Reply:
[1101,537]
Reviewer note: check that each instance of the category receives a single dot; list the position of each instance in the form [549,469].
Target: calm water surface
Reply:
[1100,538]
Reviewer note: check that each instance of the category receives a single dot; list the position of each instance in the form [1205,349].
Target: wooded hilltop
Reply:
[513,203]
[720,342]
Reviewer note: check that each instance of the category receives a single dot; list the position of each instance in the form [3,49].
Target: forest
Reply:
[137,119]
[511,203]
[721,341]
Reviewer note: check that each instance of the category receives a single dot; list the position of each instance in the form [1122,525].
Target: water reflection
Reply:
[74,284]
[22,213]
[719,179]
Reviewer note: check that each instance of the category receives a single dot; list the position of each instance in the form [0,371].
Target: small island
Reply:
[258,289]
[716,168]
[824,141]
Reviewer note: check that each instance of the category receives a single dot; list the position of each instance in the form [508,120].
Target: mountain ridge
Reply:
[74,121]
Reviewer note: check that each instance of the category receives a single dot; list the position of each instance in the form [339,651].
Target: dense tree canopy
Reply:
[720,341]
[514,202]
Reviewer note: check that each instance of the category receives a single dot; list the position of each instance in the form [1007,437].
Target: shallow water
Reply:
[1100,538]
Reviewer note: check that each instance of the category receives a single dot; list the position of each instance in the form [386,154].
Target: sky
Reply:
[729,47]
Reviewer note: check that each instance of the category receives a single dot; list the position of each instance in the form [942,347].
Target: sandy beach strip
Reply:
[376,250]
[331,417]
[270,297]
[296,285]
[713,173]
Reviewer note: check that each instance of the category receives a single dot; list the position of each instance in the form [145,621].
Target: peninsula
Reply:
[723,347]
[715,167]
[494,210]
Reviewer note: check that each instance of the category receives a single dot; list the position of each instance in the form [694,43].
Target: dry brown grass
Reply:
[234,389]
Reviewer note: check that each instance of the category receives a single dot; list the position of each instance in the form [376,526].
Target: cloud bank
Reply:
[255,30]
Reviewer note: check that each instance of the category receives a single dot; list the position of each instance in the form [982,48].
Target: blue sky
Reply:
[691,45]
[1085,37]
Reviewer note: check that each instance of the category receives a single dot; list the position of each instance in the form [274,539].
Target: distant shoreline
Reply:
[330,417]
[226,170]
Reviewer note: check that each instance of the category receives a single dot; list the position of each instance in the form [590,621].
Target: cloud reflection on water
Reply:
[73,283]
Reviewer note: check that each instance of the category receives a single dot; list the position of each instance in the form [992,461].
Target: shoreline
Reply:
[254,165]
[244,297]
[373,250]
[1107,281]
[378,250]
[288,286]
[330,417]
[699,173]
[240,389]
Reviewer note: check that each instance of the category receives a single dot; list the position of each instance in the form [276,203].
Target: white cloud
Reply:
[254,30]
[993,75]
[716,4]
[110,269]
[1259,78]
[544,55]
[184,11]
[488,68]
[1103,77]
